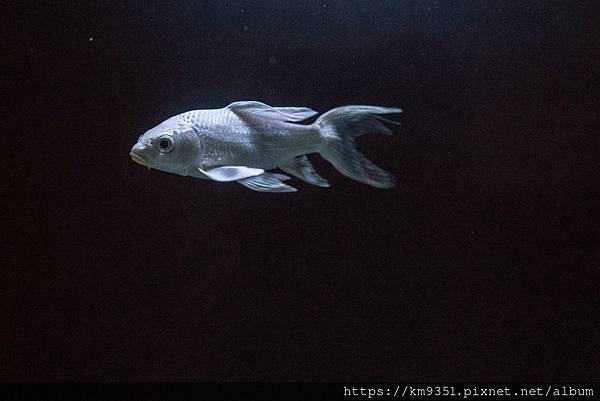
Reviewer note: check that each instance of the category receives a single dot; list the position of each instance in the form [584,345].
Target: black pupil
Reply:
[163,143]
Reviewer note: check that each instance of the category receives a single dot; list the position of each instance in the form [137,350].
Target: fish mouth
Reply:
[138,158]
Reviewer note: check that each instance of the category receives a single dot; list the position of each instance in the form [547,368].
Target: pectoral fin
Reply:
[231,173]
[302,168]
[258,110]
[268,182]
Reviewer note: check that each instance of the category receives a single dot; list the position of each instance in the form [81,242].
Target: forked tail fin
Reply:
[340,127]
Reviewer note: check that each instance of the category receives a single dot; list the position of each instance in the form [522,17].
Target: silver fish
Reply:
[242,141]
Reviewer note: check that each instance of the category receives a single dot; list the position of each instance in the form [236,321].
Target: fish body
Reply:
[244,140]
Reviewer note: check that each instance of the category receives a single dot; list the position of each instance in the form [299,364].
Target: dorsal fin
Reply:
[252,109]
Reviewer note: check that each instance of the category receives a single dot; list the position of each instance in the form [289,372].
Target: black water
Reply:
[483,264]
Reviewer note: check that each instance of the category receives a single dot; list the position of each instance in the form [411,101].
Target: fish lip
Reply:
[138,158]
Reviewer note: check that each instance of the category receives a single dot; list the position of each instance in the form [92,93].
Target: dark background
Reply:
[483,264]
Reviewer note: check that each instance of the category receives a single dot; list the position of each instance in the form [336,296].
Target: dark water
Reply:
[482,264]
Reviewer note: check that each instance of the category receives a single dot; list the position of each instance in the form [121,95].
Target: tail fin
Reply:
[340,127]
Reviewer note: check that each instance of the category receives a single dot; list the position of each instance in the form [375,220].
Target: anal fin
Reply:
[302,168]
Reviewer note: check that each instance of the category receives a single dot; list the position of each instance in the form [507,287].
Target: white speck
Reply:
[91,39]
[242,10]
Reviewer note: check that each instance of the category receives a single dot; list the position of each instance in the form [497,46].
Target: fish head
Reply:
[170,146]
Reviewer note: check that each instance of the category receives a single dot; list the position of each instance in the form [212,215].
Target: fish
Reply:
[244,141]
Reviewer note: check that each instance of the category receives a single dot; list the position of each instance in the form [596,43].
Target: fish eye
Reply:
[165,144]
